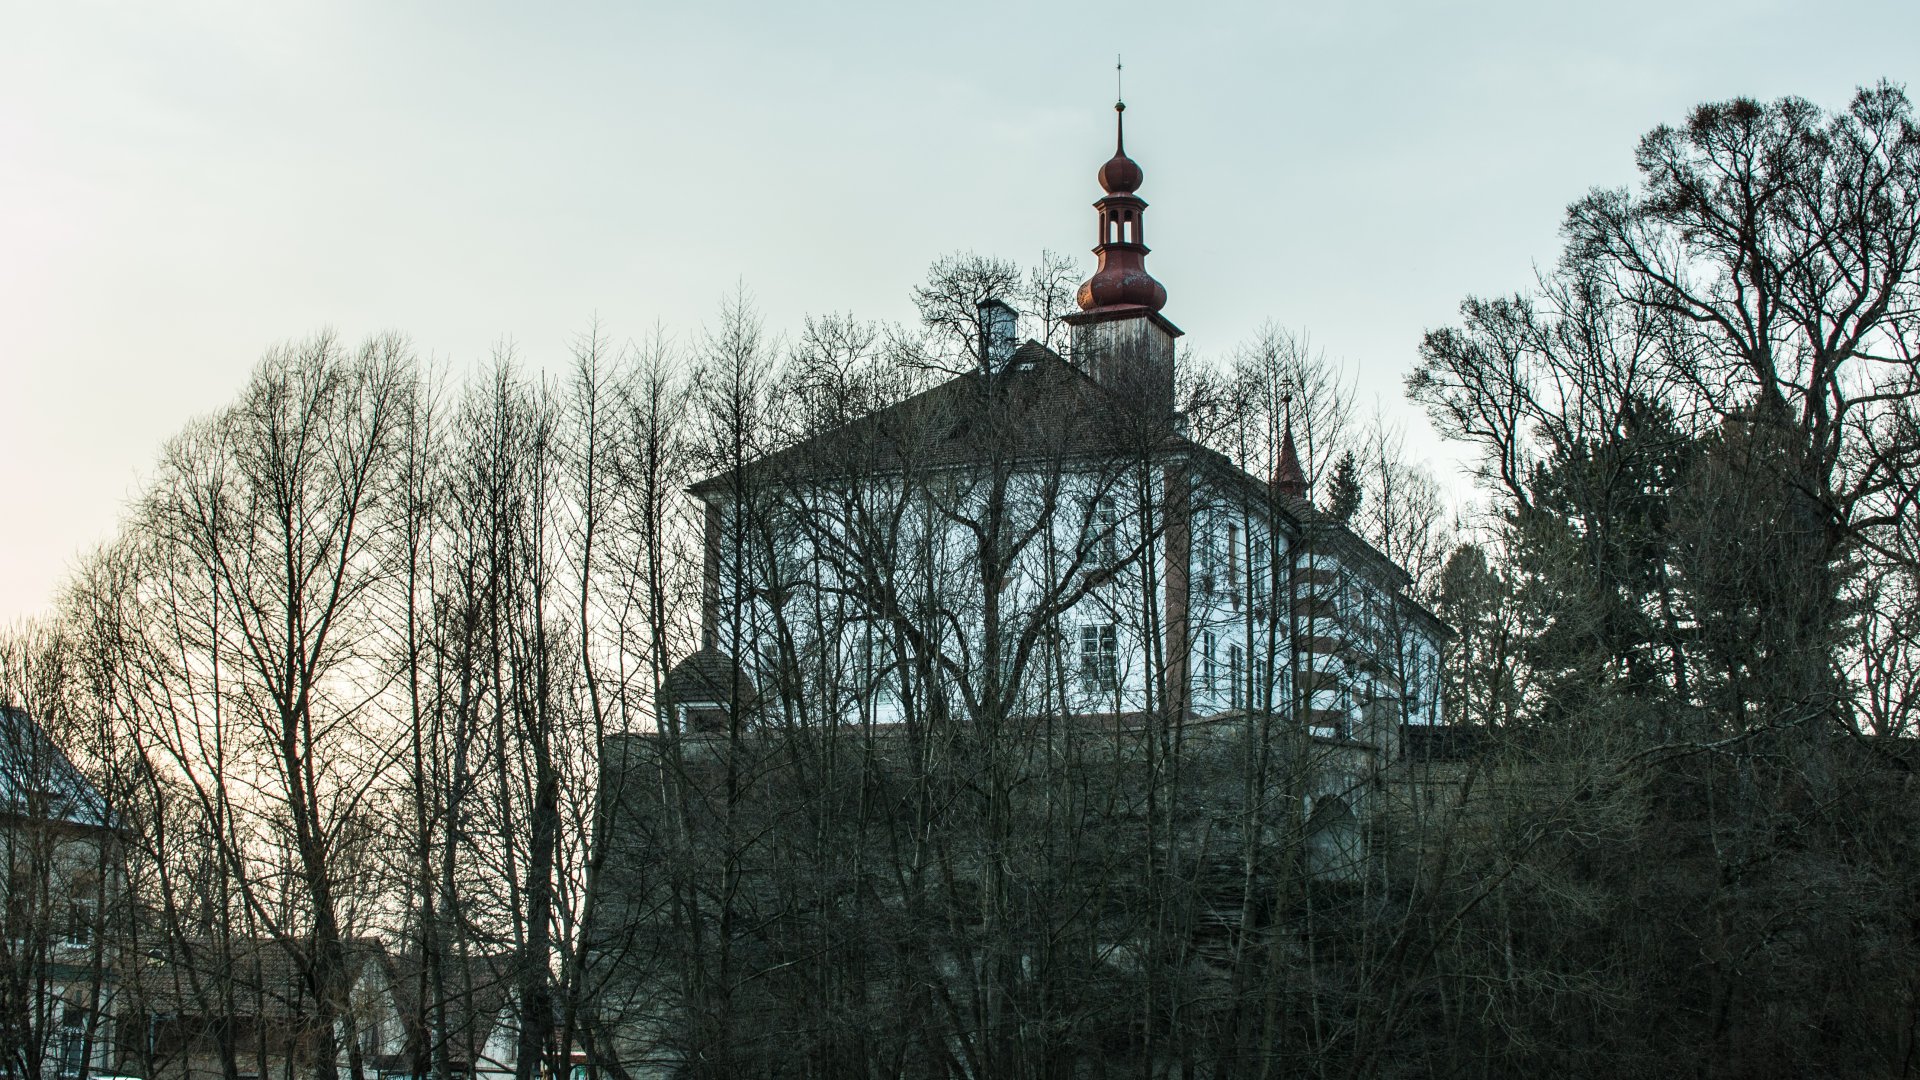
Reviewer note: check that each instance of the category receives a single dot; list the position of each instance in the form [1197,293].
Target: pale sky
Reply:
[183,185]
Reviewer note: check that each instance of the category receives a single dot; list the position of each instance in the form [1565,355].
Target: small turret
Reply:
[1288,477]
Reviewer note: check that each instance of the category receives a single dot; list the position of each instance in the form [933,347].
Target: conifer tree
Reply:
[1343,488]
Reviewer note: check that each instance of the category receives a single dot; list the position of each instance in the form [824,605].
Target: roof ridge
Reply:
[1037,362]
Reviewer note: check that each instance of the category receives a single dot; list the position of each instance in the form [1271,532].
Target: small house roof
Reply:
[199,976]
[39,781]
[706,676]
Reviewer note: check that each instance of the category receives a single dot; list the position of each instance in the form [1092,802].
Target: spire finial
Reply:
[1119,109]
[1288,477]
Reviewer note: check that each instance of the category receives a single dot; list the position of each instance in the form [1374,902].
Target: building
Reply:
[979,641]
[208,1007]
[63,879]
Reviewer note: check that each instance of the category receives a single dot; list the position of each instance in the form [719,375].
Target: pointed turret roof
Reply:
[1288,477]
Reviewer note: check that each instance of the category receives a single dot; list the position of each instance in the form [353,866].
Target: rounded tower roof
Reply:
[706,677]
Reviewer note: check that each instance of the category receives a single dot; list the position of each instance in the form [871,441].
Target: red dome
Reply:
[1120,175]
[1121,286]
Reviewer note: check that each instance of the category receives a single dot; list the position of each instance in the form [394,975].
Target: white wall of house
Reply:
[1094,657]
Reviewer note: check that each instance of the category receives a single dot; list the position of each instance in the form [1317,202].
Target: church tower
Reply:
[1119,336]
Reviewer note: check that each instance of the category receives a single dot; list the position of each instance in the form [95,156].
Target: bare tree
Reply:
[255,668]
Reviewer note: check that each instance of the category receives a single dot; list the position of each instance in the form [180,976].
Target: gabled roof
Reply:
[253,976]
[1307,519]
[1035,407]
[480,988]
[1319,528]
[38,780]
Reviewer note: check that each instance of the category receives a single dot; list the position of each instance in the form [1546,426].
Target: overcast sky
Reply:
[183,185]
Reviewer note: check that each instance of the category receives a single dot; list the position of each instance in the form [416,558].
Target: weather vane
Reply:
[1119,93]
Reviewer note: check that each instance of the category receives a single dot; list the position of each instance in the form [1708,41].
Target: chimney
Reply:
[1001,326]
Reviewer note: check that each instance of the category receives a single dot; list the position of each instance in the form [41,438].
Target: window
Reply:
[21,896]
[1099,657]
[70,1041]
[1206,559]
[1209,662]
[80,918]
[1416,679]
[1236,686]
[1105,526]
[1233,563]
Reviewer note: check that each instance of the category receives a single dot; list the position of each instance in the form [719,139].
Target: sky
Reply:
[184,185]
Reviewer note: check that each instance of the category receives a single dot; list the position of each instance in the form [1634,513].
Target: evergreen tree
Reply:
[1343,488]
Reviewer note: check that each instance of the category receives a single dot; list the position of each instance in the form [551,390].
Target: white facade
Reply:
[1157,580]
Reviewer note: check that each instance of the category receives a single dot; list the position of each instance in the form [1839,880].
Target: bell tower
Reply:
[1119,336]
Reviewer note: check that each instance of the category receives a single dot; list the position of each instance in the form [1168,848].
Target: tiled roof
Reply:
[1307,519]
[479,987]
[196,977]
[204,978]
[706,676]
[1036,407]
[38,780]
